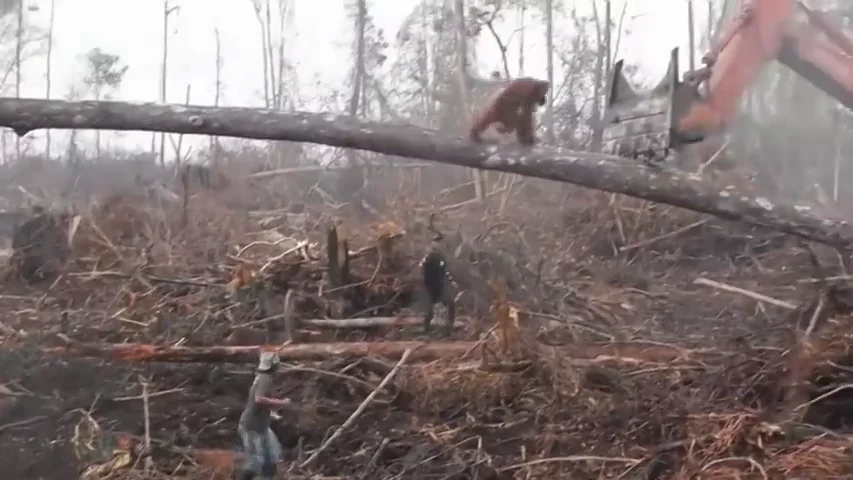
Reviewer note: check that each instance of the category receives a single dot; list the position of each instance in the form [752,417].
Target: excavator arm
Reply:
[686,109]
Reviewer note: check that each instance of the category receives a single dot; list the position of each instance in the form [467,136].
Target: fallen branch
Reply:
[366,322]
[746,293]
[631,352]
[358,411]
[146,421]
[320,169]
[339,323]
[601,172]
[138,352]
[673,233]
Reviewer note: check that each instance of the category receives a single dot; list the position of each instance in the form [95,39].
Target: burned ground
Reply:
[623,367]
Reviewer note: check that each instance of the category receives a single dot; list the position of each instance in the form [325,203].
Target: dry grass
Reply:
[687,382]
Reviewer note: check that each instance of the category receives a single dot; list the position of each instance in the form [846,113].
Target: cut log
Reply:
[356,323]
[601,172]
[137,352]
[422,352]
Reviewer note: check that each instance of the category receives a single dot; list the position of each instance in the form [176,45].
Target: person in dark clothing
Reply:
[436,289]
[260,445]
[436,283]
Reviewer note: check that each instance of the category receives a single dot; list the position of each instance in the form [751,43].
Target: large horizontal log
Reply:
[305,352]
[421,352]
[364,322]
[601,172]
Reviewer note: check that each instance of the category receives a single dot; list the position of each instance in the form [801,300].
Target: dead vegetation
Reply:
[597,337]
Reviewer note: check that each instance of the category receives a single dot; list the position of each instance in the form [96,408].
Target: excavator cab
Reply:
[642,124]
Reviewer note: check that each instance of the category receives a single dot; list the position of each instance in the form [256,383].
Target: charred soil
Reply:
[638,352]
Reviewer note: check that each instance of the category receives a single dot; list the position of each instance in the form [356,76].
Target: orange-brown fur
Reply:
[512,109]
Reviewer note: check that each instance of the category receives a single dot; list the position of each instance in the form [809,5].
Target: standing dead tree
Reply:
[597,171]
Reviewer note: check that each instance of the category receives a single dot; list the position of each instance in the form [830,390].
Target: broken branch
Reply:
[352,418]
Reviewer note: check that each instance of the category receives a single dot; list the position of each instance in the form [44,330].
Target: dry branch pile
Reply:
[587,348]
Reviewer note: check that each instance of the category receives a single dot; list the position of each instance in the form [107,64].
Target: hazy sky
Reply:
[319,48]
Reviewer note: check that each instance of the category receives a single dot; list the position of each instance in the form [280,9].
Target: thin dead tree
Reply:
[285,11]
[464,86]
[357,101]
[259,9]
[167,11]
[178,146]
[709,33]
[522,14]
[49,71]
[691,34]
[270,49]
[273,59]
[602,44]
[19,48]
[214,140]
[549,51]
[608,37]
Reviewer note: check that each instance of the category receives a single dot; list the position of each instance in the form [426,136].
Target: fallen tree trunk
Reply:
[365,322]
[421,352]
[601,172]
[305,352]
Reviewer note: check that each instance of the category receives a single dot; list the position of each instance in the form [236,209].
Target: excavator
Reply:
[686,109]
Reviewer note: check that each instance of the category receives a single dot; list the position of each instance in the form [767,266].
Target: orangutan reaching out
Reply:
[512,109]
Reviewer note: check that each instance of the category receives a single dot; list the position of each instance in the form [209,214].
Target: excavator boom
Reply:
[686,109]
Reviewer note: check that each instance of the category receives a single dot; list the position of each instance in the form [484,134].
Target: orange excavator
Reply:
[687,109]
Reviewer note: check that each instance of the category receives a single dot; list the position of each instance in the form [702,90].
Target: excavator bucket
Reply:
[642,124]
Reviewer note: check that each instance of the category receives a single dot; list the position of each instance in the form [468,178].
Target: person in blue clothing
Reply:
[260,445]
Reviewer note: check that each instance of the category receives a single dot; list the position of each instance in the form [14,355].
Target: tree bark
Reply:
[358,323]
[631,352]
[305,352]
[597,171]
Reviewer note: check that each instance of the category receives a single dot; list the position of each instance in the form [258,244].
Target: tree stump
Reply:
[40,247]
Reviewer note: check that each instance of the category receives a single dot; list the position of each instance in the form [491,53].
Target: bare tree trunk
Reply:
[270,59]
[19,47]
[277,63]
[166,12]
[684,158]
[260,17]
[522,11]
[97,132]
[464,88]
[549,49]
[358,68]
[263,14]
[214,140]
[279,87]
[426,70]
[179,154]
[691,34]
[48,71]
[710,33]
[619,29]
[356,101]
[608,38]
[72,154]
[598,79]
